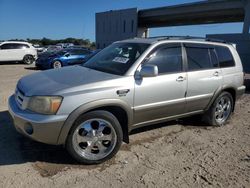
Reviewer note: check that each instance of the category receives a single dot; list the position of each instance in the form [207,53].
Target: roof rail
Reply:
[187,37]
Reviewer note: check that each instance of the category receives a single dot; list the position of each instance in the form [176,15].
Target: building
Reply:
[115,25]
[128,23]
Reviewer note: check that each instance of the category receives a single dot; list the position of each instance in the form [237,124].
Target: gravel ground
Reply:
[184,153]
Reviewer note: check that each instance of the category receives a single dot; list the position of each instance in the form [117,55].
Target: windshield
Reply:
[116,58]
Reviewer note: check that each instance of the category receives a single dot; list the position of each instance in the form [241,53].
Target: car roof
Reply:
[153,40]
[16,42]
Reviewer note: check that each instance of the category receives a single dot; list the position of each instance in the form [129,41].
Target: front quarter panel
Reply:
[88,107]
[77,102]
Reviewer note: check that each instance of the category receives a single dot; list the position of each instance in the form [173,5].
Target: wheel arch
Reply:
[228,89]
[118,108]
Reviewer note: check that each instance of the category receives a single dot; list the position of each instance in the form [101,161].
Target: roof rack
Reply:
[186,37]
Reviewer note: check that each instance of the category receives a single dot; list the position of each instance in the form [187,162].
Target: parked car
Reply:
[91,109]
[65,45]
[62,58]
[17,51]
[39,49]
[52,48]
[90,55]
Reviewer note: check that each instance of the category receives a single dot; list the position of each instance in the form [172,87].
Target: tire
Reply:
[28,59]
[95,137]
[219,112]
[57,64]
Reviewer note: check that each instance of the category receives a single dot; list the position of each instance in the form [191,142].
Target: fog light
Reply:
[28,129]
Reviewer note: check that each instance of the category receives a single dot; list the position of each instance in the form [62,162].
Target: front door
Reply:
[157,98]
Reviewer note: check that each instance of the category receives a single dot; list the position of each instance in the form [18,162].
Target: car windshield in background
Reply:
[116,58]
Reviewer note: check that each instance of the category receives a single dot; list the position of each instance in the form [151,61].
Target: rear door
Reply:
[227,65]
[204,75]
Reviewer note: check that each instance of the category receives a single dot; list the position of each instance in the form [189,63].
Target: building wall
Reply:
[115,25]
[242,42]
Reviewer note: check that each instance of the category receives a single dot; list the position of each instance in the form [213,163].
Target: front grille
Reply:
[20,98]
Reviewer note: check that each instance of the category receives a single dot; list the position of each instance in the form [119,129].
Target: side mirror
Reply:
[149,71]
[67,55]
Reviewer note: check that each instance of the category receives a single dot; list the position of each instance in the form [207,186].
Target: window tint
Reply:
[167,59]
[24,46]
[14,46]
[213,58]
[6,46]
[198,58]
[225,57]
[19,46]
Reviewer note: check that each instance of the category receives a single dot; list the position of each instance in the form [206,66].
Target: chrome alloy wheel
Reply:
[94,139]
[223,109]
[57,65]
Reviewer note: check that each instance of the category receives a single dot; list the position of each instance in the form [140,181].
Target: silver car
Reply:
[91,109]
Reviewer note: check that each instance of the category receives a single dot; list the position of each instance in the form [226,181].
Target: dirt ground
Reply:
[184,153]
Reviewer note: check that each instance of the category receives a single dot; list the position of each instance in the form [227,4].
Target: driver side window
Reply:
[167,59]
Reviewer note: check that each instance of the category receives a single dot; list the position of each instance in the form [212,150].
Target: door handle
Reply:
[122,92]
[216,73]
[180,79]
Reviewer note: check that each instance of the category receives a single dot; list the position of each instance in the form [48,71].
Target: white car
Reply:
[17,51]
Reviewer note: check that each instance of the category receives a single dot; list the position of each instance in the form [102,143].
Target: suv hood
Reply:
[60,81]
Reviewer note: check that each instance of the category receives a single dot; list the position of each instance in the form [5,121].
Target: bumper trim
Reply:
[240,91]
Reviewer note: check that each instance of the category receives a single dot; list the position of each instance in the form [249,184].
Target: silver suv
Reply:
[91,109]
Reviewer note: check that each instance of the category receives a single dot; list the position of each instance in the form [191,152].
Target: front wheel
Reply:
[95,137]
[221,110]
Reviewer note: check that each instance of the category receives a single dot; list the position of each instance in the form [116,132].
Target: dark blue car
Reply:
[62,58]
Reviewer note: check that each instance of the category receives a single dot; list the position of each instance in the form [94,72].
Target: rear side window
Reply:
[198,58]
[168,59]
[225,57]
[19,46]
[23,46]
[16,46]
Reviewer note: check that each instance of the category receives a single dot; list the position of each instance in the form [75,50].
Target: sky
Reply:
[58,19]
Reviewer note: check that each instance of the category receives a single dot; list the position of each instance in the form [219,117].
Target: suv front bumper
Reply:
[42,128]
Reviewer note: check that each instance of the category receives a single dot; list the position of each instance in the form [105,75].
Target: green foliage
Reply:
[46,42]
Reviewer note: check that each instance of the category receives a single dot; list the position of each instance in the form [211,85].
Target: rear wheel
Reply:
[95,137]
[28,59]
[221,110]
[56,65]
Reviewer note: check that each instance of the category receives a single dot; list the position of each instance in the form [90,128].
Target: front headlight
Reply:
[44,104]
